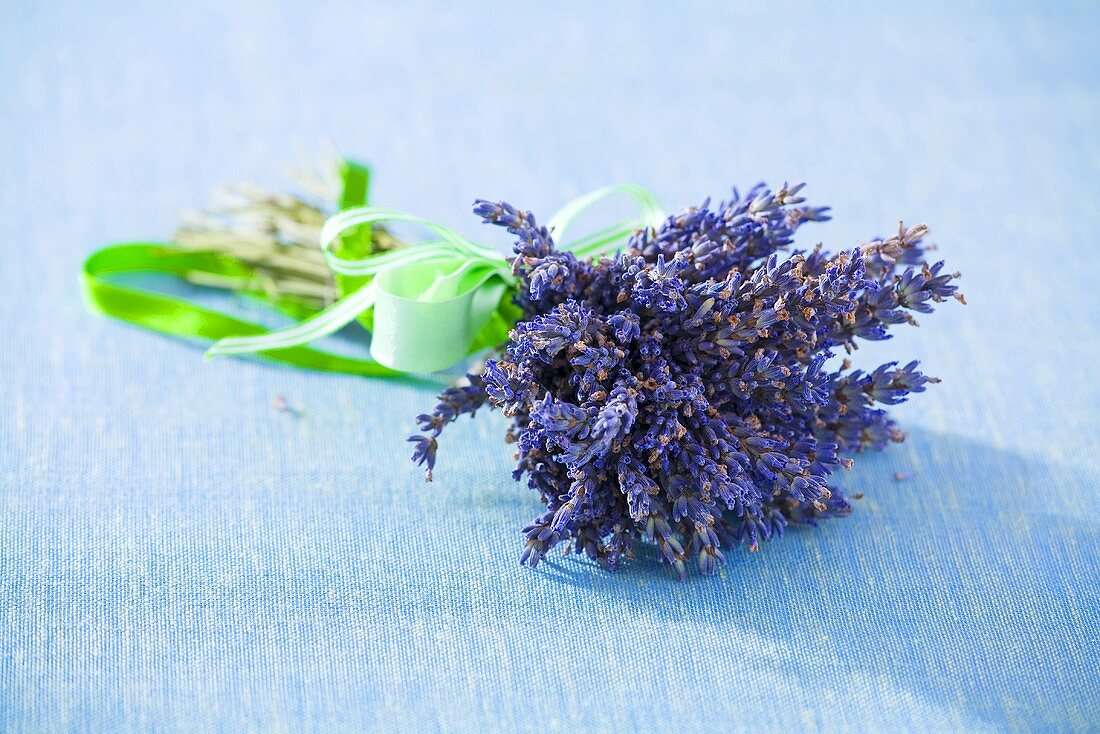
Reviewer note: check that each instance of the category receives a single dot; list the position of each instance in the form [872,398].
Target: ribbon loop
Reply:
[651,214]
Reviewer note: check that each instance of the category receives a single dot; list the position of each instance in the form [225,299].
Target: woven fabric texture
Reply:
[176,554]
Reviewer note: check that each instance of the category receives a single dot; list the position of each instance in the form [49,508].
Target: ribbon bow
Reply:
[434,302]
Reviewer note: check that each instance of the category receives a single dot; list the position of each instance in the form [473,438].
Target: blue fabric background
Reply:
[177,555]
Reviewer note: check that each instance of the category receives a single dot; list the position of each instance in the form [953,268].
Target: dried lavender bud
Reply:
[679,393]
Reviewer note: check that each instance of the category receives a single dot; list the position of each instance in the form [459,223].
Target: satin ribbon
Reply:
[434,302]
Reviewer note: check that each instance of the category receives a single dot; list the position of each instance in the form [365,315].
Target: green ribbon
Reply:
[434,302]
[177,317]
[180,318]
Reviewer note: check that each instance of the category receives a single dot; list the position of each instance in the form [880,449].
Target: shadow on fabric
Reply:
[961,582]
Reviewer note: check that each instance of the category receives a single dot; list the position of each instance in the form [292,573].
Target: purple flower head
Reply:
[682,392]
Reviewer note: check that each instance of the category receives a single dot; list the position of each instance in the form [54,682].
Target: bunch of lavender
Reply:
[680,393]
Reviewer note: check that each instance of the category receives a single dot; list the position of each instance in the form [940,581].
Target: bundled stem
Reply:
[275,234]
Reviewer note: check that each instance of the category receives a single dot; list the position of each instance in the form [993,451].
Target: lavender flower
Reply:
[680,393]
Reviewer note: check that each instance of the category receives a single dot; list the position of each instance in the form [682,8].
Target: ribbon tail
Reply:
[179,318]
[318,326]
